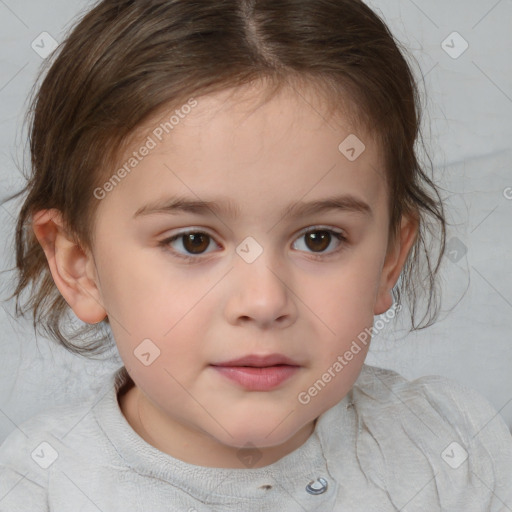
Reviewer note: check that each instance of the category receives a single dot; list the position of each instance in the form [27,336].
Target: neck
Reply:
[198,447]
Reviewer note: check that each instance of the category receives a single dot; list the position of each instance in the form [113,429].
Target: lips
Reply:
[258,372]
[259,361]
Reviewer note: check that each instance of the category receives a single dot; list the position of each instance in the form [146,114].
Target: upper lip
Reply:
[259,361]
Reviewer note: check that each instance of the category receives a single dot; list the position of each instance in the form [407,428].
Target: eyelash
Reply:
[338,235]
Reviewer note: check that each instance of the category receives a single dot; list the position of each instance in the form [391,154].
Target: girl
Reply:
[231,189]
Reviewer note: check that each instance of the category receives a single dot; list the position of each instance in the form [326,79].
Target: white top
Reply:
[390,445]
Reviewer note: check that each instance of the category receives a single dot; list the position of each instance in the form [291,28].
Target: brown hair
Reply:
[126,60]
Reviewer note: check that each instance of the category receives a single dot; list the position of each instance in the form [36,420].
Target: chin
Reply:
[263,435]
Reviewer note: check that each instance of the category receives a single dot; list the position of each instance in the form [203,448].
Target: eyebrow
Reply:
[175,205]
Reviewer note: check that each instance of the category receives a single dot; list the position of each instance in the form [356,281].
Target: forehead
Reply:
[260,153]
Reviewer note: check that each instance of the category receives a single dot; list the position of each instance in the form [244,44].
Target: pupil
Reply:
[318,236]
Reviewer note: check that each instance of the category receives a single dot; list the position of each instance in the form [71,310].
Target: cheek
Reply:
[344,301]
[346,292]
[140,291]
[151,313]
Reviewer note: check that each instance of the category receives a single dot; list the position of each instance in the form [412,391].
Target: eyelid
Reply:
[320,227]
[189,230]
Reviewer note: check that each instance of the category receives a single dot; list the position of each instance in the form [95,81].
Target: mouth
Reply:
[259,361]
[258,373]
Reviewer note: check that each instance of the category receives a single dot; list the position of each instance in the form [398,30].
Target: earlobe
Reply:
[395,260]
[71,267]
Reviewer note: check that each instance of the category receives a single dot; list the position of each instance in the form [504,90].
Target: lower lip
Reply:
[258,379]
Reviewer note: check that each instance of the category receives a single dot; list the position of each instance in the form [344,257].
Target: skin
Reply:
[306,301]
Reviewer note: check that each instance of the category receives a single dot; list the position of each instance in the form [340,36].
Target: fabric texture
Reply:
[390,445]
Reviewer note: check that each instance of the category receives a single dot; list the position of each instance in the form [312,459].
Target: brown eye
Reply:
[318,241]
[192,244]
[195,243]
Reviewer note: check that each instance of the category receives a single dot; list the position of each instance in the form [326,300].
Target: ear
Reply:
[72,268]
[397,253]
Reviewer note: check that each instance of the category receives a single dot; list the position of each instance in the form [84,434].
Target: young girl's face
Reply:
[264,274]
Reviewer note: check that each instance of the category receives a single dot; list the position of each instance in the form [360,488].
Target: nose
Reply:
[260,292]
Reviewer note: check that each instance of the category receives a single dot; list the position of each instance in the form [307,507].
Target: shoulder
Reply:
[449,429]
[31,452]
[442,403]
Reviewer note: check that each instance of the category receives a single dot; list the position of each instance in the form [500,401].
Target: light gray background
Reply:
[469,107]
